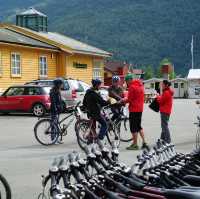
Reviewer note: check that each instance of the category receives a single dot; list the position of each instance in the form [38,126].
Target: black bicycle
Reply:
[5,190]
[87,129]
[48,133]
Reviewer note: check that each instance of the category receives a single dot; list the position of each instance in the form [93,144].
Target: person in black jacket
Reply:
[93,102]
[56,105]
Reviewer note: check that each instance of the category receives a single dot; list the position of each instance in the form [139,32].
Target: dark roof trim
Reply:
[28,45]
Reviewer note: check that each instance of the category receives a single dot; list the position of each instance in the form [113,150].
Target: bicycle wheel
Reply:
[84,133]
[113,135]
[5,190]
[124,130]
[43,132]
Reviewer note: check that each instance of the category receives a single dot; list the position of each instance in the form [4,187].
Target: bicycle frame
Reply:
[92,130]
[57,126]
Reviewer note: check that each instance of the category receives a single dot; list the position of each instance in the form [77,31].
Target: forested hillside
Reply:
[142,32]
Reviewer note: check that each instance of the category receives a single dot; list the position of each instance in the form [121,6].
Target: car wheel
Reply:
[38,110]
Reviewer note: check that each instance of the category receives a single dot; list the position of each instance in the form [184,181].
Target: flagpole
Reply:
[192,52]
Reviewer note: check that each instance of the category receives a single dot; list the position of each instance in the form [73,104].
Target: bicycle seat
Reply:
[181,194]
[192,180]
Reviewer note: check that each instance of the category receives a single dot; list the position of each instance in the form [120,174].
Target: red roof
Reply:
[113,66]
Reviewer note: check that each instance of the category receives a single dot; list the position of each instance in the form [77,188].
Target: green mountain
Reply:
[142,32]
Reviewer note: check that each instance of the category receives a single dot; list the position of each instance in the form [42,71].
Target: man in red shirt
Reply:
[136,106]
[165,102]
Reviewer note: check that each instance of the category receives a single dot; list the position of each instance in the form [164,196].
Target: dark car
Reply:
[26,98]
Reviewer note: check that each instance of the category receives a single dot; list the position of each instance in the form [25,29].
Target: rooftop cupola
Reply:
[33,20]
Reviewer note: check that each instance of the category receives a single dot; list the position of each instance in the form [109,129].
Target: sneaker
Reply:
[133,147]
[59,142]
[145,146]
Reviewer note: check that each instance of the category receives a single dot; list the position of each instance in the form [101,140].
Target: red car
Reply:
[26,98]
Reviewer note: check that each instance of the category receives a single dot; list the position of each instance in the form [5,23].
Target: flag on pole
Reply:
[192,51]
[192,45]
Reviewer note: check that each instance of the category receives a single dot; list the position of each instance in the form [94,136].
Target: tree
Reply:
[172,75]
[158,72]
[149,73]
[165,61]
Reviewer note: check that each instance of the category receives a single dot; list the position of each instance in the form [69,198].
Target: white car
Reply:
[69,93]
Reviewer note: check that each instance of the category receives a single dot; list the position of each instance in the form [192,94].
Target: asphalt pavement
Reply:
[23,160]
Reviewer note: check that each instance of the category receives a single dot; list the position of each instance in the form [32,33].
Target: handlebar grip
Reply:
[54,191]
[119,186]
[107,158]
[77,104]
[132,182]
[90,194]
[97,167]
[65,179]
[45,180]
[77,175]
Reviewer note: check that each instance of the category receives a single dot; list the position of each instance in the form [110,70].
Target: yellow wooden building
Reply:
[28,52]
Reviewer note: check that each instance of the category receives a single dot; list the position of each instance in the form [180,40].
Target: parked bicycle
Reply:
[45,128]
[114,180]
[5,190]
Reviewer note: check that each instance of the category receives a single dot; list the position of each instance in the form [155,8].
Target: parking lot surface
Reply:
[23,160]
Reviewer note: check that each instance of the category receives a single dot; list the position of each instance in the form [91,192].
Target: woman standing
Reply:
[56,106]
[165,102]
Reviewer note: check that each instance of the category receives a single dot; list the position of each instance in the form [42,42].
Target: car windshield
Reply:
[76,85]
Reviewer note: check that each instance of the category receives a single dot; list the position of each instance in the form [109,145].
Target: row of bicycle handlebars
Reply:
[159,173]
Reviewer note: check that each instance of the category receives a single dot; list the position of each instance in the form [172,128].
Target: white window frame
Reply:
[16,65]
[97,69]
[43,66]
[1,65]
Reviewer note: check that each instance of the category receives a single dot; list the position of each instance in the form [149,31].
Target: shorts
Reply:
[135,119]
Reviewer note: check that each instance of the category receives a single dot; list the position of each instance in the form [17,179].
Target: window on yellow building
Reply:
[15,64]
[1,64]
[97,69]
[43,66]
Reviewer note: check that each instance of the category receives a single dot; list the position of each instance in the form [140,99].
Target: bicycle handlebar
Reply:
[77,105]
